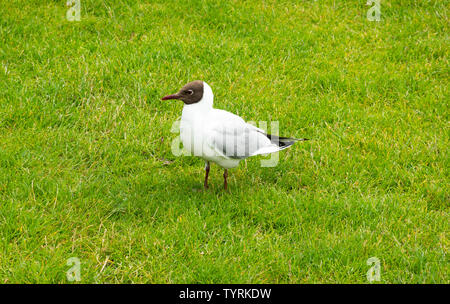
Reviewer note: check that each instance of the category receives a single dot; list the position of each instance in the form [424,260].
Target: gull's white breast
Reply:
[196,134]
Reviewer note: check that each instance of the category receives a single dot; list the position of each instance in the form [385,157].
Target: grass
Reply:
[86,168]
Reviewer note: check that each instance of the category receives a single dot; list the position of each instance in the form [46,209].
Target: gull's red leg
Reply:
[206,174]
[225,175]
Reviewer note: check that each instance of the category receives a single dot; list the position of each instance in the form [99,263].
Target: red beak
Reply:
[173,96]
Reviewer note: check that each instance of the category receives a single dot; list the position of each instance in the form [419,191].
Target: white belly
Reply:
[194,137]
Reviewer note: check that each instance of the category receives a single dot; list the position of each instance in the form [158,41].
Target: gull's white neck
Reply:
[202,107]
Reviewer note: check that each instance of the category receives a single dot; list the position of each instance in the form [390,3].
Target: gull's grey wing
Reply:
[231,136]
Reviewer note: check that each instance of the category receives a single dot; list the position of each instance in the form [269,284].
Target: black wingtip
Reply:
[284,141]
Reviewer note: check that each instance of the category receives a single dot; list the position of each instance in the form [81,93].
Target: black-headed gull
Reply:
[219,136]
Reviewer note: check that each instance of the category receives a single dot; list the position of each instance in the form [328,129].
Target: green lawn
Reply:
[86,168]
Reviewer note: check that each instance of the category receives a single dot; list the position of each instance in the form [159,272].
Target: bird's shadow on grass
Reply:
[187,186]
[240,182]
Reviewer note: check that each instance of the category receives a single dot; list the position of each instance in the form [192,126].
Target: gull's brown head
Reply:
[189,94]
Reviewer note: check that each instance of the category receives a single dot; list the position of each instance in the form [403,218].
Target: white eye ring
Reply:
[190,92]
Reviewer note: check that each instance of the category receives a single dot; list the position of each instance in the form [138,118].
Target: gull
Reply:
[219,136]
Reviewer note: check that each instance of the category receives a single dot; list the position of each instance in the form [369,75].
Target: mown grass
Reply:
[86,168]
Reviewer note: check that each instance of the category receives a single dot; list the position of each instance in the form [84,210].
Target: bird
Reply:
[219,136]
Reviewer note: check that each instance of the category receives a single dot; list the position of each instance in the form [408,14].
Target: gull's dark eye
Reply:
[190,92]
